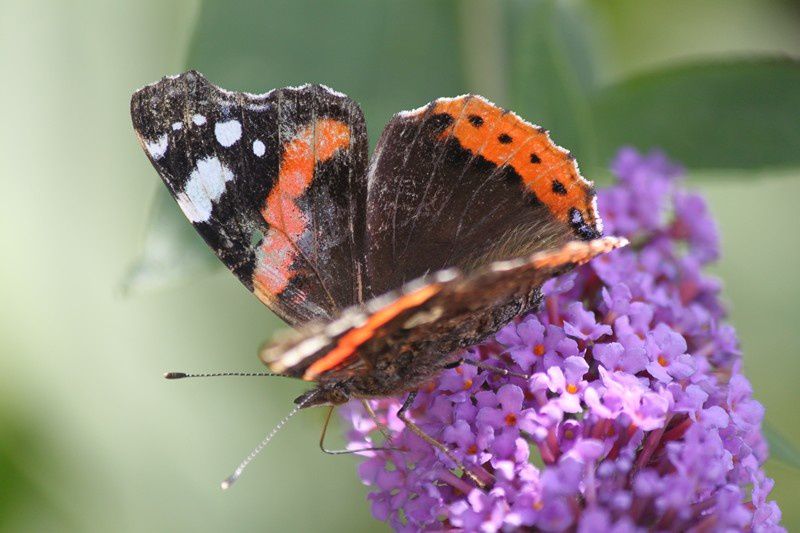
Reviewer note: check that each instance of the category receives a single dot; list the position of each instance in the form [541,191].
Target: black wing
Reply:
[462,182]
[275,184]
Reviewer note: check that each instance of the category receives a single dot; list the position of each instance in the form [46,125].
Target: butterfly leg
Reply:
[345,452]
[401,414]
[455,364]
[387,437]
[496,369]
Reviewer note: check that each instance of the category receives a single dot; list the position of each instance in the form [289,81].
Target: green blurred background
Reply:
[104,287]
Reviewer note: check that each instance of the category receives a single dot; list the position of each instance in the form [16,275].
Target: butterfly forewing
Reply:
[461,182]
[275,184]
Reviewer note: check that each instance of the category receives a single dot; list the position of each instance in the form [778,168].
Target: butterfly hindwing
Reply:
[461,182]
[274,183]
[426,319]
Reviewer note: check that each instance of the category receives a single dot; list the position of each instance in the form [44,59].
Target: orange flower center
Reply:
[572,388]
[662,360]
[467,384]
[472,450]
[538,350]
[511,419]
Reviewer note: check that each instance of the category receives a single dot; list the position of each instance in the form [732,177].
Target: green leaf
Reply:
[552,75]
[712,115]
[780,448]
[172,250]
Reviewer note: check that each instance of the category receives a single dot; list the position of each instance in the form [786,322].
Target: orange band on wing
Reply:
[349,342]
[505,139]
[312,144]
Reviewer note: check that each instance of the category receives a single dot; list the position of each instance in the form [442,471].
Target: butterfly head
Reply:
[335,392]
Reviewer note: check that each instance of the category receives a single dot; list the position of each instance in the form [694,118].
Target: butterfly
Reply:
[387,265]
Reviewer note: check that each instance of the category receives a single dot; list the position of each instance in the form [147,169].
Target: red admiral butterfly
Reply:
[390,266]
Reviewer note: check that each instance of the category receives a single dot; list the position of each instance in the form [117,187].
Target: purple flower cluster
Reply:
[636,417]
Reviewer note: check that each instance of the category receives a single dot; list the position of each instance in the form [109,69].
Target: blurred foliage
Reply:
[709,115]
[715,114]
[20,487]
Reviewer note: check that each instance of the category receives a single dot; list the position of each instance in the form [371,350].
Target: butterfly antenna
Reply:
[181,375]
[230,480]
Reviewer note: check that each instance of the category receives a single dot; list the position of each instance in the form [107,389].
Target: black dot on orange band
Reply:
[504,138]
[440,121]
[475,120]
[535,159]
[559,188]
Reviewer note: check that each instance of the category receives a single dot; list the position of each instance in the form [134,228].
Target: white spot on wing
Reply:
[258,107]
[347,321]
[303,350]
[177,126]
[205,186]
[260,96]
[258,148]
[228,132]
[192,212]
[412,112]
[298,87]
[598,220]
[449,274]
[333,91]
[157,148]
[502,266]
[198,119]
[424,317]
